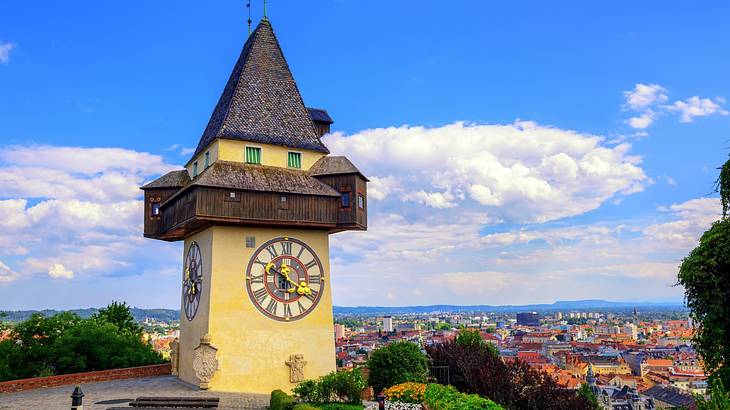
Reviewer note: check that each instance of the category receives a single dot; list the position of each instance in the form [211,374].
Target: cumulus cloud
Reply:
[649,101]
[522,172]
[58,271]
[696,107]
[456,260]
[6,274]
[5,49]
[73,210]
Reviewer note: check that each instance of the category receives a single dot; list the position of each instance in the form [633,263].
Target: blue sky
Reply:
[471,118]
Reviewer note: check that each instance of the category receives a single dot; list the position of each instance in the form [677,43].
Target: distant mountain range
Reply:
[163,315]
[576,305]
[167,315]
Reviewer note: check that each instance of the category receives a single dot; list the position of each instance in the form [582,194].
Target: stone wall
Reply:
[88,377]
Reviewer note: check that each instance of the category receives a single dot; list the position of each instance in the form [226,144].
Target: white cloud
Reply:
[642,121]
[451,259]
[5,49]
[648,101]
[644,96]
[697,107]
[523,172]
[58,271]
[73,210]
[7,274]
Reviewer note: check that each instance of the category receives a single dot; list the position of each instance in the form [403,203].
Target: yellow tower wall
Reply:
[253,349]
[233,150]
[192,331]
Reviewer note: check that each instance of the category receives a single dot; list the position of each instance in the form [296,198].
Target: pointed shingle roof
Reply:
[261,102]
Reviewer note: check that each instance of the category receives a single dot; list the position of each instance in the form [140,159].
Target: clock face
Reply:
[192,285]
[285,279]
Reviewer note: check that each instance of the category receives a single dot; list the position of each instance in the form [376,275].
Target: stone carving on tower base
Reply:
[174,356]
[296,365]
[205,361]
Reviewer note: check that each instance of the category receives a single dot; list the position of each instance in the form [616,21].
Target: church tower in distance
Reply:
[255,207]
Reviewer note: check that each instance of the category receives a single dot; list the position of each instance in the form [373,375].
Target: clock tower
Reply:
[255,206]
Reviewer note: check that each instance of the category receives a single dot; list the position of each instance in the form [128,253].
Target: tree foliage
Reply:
[474,368]
[705,276]
[66,343]
[119,315]
[396,363]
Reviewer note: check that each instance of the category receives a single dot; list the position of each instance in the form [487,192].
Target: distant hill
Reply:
[557,306]
[162,315]
[167,315]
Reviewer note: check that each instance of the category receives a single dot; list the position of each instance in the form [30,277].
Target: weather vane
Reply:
[248,6]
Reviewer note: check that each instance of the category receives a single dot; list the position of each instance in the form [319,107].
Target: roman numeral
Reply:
[271,307]
[286,248]
[301,251]
[287,311]
[272,251]
[300,307]
[257,279]
[259,262]
[260,295]
[312,296]
[311,264]
[315,280]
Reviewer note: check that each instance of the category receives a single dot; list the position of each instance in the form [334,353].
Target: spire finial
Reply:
[265,16]
[248,6]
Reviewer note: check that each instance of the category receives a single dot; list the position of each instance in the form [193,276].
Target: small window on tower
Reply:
[195,169]
[345,200]
[295,160]
[207,159]
[253,155]
[360,201]
[155,209]
[283,203]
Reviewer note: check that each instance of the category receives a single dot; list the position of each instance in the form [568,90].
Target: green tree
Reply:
[705,276]
[397,363]
[63,343]
[586,393]
[119,315]
[472,338]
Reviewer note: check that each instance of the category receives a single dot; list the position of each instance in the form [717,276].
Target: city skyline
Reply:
[528,174]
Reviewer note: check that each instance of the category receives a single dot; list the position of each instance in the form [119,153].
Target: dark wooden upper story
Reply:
[331,196]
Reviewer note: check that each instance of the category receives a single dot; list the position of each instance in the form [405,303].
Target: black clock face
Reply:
[285,279]
[192,285]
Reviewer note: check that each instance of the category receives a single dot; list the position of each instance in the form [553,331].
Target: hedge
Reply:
[439,397]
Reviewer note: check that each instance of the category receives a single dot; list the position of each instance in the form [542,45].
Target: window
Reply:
[207,159]
[345,200]
[155,209]
[283,204]
[295,160]
[195,169]
[360,201]
[250,241]
[253,155]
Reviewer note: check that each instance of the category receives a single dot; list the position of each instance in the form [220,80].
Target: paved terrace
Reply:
[102,395]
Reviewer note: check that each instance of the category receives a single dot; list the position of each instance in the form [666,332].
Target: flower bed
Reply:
[406,392]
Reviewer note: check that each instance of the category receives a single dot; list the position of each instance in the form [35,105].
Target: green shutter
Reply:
[253,155]
[295,160]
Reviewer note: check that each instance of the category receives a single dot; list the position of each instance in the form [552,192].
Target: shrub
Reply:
[308,391]
[439,397]
[340,406]
[280,401]
[304,406]
[474,368]
[408,392]
[397,363]
[342,386]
